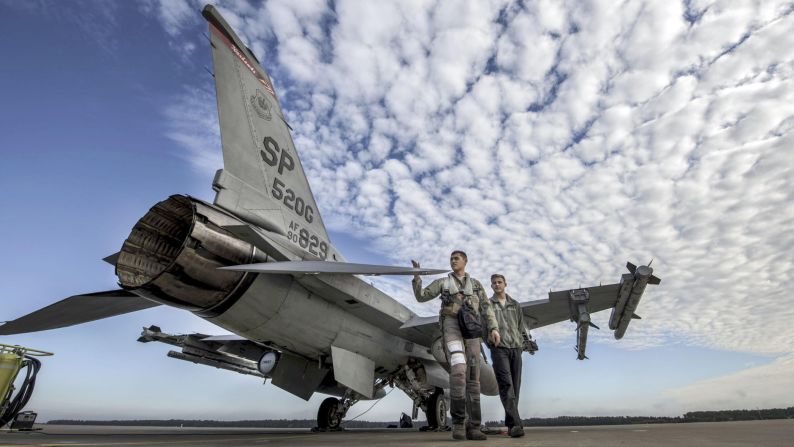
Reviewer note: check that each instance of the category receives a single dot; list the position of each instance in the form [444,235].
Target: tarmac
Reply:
[744,433]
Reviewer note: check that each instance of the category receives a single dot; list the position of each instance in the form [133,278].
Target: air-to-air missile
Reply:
[631,289]
[577,300]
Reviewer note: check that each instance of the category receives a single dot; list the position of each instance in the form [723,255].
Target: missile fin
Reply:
[636,317]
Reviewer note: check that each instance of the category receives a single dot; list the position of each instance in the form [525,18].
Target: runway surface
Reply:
[746,433]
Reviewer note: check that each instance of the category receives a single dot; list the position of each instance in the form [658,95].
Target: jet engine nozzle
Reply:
[173,253]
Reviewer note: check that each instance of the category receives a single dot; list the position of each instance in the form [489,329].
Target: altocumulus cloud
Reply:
[552,141]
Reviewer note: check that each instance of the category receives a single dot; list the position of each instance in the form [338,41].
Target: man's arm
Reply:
[428,293]
[522,326]
[527,343]
[486,311]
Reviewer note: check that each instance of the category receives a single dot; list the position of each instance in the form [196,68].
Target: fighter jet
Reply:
[258,263]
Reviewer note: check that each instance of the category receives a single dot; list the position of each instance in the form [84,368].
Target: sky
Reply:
[552,141]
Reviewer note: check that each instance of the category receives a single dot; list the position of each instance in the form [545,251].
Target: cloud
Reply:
[174,15]
[553,142]
[192,123]
[750,386]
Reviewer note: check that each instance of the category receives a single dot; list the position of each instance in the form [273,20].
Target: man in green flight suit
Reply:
[458,289]
[506,358]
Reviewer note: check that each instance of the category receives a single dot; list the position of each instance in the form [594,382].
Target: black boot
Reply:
[473,429]
[474,433]
[458,412]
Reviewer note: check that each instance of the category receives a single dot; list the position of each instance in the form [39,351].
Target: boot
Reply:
[458,432]
[516,431]
[475,434]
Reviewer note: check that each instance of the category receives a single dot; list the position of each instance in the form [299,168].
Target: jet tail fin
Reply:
[263,181]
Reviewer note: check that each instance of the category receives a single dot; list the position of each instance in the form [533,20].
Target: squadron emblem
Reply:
[261,105]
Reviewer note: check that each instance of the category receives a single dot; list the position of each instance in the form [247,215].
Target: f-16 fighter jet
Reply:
[258,263]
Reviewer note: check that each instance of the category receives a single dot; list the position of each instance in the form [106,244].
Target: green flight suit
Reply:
[506,358]
[463,355]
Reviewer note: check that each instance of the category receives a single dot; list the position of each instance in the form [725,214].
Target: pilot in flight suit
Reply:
[457,289]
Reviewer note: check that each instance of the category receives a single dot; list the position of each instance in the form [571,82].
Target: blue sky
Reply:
[559,142]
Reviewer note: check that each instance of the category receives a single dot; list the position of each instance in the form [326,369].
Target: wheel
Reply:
[437,410]
[328,417]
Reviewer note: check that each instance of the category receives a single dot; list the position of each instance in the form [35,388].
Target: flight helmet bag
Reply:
[469,321]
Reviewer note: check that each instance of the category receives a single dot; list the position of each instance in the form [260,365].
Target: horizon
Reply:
[683,416]
[558,143]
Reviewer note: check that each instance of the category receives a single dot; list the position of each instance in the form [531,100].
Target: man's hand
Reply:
[416,266]
[495,337]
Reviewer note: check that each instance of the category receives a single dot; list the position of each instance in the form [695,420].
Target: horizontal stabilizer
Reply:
[78,309]
[346,268]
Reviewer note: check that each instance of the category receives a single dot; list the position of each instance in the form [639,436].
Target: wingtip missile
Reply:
[629,294]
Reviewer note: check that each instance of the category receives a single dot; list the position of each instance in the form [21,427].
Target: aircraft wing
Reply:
[317,267]
[537,313]
[573,305]
[78,309]
[556,307]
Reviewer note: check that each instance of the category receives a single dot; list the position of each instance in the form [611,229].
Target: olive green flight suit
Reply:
[463,355]
[506,358]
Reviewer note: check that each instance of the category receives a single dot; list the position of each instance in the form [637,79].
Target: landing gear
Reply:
[329,417]
[412,380]
[333,410]
[437,410]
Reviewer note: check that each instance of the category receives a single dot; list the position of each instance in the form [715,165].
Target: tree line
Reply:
[694,416]
[739,415]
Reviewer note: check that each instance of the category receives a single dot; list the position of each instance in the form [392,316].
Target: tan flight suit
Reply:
[463,355]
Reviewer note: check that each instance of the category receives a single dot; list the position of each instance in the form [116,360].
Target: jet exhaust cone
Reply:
[173,253]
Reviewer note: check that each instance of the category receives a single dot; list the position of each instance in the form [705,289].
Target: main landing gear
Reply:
[333,410]
[329,416]
[436,411]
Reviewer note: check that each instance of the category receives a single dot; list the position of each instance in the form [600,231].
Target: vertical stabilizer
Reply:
[263,180]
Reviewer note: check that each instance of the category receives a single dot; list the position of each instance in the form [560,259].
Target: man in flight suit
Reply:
[506,357]
[459,289]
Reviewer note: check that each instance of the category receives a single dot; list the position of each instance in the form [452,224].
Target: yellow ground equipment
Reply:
[12,360]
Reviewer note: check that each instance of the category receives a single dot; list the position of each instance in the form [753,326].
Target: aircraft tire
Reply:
[437,409]
[328,417]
